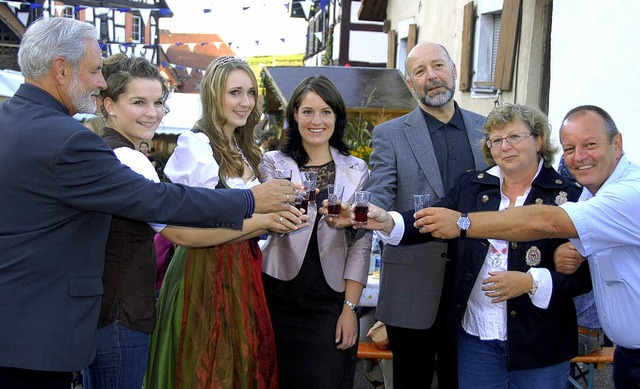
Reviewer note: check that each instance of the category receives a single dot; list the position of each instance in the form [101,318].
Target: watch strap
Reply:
[351,305]
[463,231]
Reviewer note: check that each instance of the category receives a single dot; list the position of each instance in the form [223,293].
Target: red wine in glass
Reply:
[303,204]
[283,174]
[312,196]
[334,209]
[361,213]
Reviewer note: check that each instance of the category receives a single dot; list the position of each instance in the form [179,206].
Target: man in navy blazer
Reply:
[59,185]
[422,153]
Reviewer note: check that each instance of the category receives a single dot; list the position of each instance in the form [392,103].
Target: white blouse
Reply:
[139,163]
[192,164]
[483,318]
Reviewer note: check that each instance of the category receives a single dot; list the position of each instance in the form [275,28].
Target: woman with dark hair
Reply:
[313,277]
[144,149]
[213,328]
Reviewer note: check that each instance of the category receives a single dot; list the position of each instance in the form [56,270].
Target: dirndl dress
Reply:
[213,328]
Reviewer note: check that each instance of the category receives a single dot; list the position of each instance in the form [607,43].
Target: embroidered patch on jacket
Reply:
[533,256]
[561,198]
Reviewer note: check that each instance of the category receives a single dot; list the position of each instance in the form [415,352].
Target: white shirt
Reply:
[608,226]
[139,163]
[192,164]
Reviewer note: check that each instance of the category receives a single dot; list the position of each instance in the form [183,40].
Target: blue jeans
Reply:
[482,364]
[590,343]
[121,359]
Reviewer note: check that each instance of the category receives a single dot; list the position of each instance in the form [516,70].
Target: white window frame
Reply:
[136,29]
[403,38]
[485,47]
[68,12]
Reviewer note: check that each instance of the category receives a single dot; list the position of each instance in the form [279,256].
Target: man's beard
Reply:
[439,99]
[83,101]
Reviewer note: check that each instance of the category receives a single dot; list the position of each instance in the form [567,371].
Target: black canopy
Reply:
[365,89]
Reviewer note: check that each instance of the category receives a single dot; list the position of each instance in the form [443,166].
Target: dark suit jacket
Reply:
[403,163]
[59,185]
[536,337]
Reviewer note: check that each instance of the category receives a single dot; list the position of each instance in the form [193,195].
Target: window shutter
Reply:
[467,46]
[412,38]
[391,49]
[507,46]
[497,18]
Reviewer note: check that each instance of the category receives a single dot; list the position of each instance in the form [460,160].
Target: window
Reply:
[406,36]
[489,39]
[136,29]
[68,12]
[486,54]
[316,34]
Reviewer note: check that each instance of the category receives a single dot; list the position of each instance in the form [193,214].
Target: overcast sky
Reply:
[241,23]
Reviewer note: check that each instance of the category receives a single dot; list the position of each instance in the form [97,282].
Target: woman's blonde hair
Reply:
[212,121]
[531,117]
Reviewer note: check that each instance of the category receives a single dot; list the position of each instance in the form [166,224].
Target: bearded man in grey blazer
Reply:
[422,153]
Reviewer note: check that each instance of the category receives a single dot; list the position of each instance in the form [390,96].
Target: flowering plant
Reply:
[362,152]
[357,134]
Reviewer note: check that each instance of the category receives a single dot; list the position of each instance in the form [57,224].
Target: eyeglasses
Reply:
[511,139]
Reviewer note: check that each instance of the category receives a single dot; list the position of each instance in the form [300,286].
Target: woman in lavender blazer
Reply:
[314,277]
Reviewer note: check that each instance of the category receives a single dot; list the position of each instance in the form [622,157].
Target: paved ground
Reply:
[602,379]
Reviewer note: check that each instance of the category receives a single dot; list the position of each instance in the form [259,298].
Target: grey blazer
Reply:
[403,163]
[283,256]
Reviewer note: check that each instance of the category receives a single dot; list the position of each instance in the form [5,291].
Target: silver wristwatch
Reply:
[351,305]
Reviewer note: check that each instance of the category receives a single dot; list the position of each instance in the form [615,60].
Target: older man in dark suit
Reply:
[59,185]
[422,153]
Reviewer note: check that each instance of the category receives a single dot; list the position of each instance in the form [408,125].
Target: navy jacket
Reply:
[59,185]
[536,337]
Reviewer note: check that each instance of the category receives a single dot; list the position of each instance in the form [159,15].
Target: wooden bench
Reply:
[595,360]
[369,350]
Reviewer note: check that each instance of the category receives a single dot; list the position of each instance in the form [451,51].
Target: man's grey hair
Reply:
[47,39]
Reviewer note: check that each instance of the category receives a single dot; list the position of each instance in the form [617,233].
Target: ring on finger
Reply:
[280,220]
[287,200]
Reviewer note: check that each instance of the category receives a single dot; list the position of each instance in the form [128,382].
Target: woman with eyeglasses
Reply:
[516,315]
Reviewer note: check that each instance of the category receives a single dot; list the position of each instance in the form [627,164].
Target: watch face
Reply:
[464,223]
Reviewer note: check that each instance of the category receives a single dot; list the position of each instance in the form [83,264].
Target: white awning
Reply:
[10,80]
[184,112]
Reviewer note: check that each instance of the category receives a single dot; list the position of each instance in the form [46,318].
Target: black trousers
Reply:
[626,368]
[14,378]
[417,353]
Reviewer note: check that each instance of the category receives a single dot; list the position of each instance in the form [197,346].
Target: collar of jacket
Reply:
[548,178]
[40,96]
